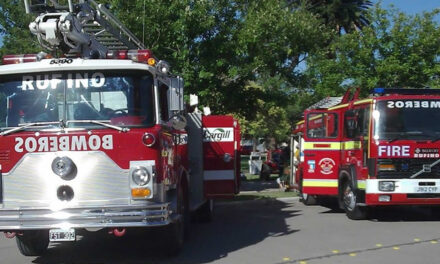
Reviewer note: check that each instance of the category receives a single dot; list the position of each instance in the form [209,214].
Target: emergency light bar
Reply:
[409,91]
[15,59]
[142,56]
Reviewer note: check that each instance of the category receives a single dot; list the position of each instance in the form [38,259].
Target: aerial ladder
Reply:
[81,28]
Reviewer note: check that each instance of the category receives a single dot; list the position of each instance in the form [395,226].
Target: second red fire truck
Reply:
[379,151]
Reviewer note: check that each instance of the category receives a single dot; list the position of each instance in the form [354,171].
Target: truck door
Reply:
[356,150]
[221,140]
[321,153]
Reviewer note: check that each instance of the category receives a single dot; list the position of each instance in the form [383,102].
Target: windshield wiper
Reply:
[20,128]
[410,133]
[399,137]
[122,129]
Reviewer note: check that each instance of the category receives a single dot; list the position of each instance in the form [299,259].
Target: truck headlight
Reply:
[141,176]
[386,186]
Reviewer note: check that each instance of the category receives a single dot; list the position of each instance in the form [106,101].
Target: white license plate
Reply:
[62,234]
[426,189]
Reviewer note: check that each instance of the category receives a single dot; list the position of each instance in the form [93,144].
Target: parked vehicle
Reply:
[378,151]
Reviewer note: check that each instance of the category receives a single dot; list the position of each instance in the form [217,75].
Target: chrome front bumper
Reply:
[91,217]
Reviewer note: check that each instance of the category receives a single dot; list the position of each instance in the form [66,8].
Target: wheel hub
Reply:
[349,199]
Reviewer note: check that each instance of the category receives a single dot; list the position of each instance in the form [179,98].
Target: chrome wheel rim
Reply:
[349,198]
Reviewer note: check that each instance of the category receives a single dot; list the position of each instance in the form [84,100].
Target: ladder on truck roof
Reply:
[326,103]
[84,27]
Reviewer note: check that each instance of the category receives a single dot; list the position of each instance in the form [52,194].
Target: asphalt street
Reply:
[269,232]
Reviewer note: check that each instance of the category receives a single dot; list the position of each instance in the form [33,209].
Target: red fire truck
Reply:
[379,151]
[102,141]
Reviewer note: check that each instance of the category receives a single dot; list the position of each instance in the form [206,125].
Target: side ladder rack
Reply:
[326,103]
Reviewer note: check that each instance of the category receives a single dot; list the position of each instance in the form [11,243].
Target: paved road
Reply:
[268,232]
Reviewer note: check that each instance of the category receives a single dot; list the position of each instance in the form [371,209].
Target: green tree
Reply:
[396,50]
[17,38]
[234,54]
[347,15]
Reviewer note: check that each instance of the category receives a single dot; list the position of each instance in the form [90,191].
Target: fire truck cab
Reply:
[379,151]
[104,142]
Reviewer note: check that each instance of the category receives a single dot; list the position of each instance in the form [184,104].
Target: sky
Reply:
[411,6]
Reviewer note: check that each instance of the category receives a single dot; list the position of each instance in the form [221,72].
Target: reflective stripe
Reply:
[351,145]
[362,184]
[348,145]
[363,101]
[319,183]
[322,145]
[329,183]
[338,106]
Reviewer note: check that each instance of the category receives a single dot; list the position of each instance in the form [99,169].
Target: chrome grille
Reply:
[405,168]
[99,181]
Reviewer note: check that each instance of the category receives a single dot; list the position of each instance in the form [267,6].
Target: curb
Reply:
[282,199]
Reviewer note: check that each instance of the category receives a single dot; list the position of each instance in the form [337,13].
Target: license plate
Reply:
[62,234]
[426,189]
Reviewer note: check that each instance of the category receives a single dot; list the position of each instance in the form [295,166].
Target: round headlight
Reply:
[140,176]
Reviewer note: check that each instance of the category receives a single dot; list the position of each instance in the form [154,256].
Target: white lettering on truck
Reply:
[78,80]
[393,151]
[413,104]
[63,143]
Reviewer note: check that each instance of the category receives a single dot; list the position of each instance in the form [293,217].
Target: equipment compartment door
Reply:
[321,153]
[221,140]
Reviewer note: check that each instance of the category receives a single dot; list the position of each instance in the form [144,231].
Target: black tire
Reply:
[173,238]
[265,172]
[206,211]
[33,243]
[349,199]
[176,232]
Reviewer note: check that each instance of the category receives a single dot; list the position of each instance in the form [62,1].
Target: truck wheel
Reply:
[177,232]
[206,211]
[33,243]
[265,172]
[349,202]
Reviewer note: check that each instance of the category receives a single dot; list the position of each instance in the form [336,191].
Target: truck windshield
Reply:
[407,119]
[116,98]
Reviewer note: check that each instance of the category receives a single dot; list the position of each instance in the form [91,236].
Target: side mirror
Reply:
[176,94]
[178,122]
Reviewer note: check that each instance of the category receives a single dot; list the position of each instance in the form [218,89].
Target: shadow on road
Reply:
[405,213]
[390,213]
[235,226]
[259,185]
